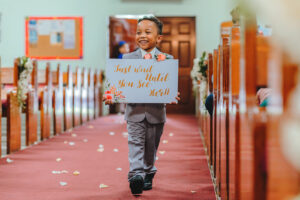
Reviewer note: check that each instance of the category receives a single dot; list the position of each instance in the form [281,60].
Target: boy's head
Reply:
[148,33]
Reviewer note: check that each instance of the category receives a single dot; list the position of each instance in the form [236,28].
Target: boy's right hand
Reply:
[107,101]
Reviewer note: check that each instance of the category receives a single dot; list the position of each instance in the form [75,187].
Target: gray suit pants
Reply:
[143,141]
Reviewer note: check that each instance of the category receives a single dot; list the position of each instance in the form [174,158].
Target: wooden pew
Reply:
[68,101]
[234,122]
[84,96]
[7,84]
[210,120]
[77,98]
[32,109]
[55,103]
[214,130]
[91,95]
[46,104]
[224,109]
[58,102]
[203,115]
[220,124]
[283,178]
[253,121]
[98,93]
[247,110]
[245,148]
[218,120]
[13,115]
[13,112]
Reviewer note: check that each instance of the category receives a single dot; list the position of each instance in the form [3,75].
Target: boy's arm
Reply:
[176,98]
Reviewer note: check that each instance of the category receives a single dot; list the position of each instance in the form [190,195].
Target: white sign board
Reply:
[142,81]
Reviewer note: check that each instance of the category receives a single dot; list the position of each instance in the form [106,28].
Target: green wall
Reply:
[209,14]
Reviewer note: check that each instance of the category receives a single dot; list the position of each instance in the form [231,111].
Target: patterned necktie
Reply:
[148,56]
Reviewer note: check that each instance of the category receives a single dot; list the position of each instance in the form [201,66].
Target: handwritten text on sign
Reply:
[144,81]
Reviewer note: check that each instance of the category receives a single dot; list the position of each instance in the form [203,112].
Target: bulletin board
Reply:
[50,38]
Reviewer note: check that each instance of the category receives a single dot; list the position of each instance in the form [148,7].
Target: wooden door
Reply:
[179,40]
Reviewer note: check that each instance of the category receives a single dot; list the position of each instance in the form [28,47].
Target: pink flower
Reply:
[108,97]
[148,56]
[161,57]
[107,92]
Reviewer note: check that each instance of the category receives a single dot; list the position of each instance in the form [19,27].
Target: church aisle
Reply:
[90,162]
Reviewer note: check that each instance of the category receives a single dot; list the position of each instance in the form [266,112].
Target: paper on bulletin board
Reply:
[43,27]
[69,34]
[57,26]
[142,81]
[33,35]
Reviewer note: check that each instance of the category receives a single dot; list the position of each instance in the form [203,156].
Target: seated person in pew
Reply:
[209,103]
[145,122]
[262,99]
[262,96]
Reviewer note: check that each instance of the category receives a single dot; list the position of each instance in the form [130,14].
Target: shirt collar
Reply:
[151,52]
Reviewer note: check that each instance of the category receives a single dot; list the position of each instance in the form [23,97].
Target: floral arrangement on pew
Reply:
[25,68]
[199,77]
[235,14]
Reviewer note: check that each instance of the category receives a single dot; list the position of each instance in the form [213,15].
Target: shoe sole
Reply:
[136,187]
[147,188]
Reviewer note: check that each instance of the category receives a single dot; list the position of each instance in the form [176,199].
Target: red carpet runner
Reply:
[90,162]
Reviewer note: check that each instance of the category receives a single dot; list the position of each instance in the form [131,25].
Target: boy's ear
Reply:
[159,39]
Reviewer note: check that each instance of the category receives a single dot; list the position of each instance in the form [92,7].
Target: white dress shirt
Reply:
[151,52]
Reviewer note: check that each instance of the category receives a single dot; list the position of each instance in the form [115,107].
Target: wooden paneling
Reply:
[184,28]
[167,28]
[166,47]
[184,52]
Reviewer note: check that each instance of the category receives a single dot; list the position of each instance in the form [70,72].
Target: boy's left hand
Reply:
[177,98]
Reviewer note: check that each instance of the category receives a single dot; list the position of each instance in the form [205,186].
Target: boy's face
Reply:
[147,35]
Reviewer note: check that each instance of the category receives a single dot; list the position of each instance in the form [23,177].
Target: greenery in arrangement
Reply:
[203,65]
[21,66]
[199,77]
[199,71]
[235,14]
[25,68]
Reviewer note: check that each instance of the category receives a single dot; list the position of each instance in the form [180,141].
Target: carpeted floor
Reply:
[90,162]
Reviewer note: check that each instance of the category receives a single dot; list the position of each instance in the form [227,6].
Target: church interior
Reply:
[233,135]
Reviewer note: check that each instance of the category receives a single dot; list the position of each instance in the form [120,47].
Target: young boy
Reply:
[145,122]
